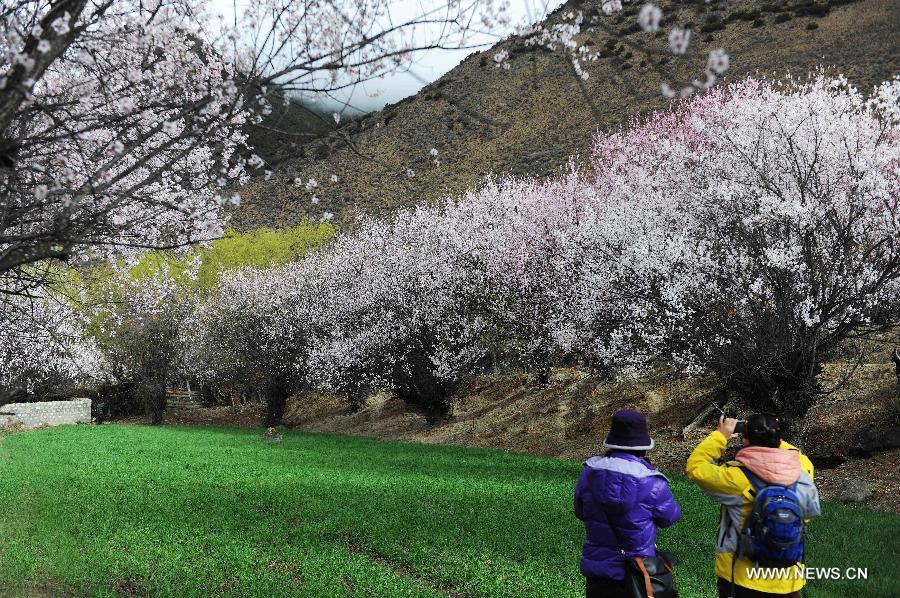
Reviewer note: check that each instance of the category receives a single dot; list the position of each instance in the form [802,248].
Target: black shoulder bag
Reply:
[648,576]
[651,576]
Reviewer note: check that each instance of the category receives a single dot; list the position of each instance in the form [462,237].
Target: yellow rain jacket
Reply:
[728,485]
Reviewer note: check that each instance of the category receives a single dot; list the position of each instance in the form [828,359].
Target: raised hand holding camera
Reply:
[728,426]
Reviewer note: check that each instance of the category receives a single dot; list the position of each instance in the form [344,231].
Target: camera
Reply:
[740,427]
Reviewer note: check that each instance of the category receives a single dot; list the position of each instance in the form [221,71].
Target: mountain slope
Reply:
[530,119]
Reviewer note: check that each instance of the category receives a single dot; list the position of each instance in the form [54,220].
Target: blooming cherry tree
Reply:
[253,333]
[136,315]
[402,311]
[519,230]
[42,342]
[122,123]
[760,228]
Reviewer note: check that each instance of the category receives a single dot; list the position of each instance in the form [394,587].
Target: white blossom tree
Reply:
[253,334]
[44,345]
[123,122]
[389,306]
[401,311]
[135,316]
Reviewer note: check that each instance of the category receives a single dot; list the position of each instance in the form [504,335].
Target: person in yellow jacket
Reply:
[773,461]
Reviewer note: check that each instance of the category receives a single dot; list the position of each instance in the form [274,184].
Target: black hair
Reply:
[763,430]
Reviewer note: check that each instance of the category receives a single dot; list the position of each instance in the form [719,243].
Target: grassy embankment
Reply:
[195,512]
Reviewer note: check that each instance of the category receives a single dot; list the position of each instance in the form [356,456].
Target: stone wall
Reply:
[48,413]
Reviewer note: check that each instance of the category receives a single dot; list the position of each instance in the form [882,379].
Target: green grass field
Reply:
[131,510]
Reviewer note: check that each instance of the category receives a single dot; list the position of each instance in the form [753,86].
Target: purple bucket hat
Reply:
[628,432]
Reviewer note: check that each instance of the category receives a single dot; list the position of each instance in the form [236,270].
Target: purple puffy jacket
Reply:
[622,500]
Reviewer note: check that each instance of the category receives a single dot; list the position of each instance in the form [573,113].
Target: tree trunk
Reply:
[276,403]
[543,376]
[207,396]
[356,400]
[158,404]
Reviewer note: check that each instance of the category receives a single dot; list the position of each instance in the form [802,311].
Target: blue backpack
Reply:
[773,533]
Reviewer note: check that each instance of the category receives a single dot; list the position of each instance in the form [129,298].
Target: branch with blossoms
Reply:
[121,122]
[122,135]
[563,36]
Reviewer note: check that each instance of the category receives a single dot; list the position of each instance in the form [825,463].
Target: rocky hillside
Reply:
[530,119]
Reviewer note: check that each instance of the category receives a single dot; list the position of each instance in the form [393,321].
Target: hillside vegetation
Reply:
[530,119]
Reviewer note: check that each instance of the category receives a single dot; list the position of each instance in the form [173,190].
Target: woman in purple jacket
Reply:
[622,500]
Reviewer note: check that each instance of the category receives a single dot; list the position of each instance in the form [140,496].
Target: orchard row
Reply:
[748,233]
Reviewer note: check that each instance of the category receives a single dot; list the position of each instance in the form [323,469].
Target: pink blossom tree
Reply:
[755,230]
[519,229]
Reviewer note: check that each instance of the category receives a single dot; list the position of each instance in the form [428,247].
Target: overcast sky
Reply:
[427,66]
